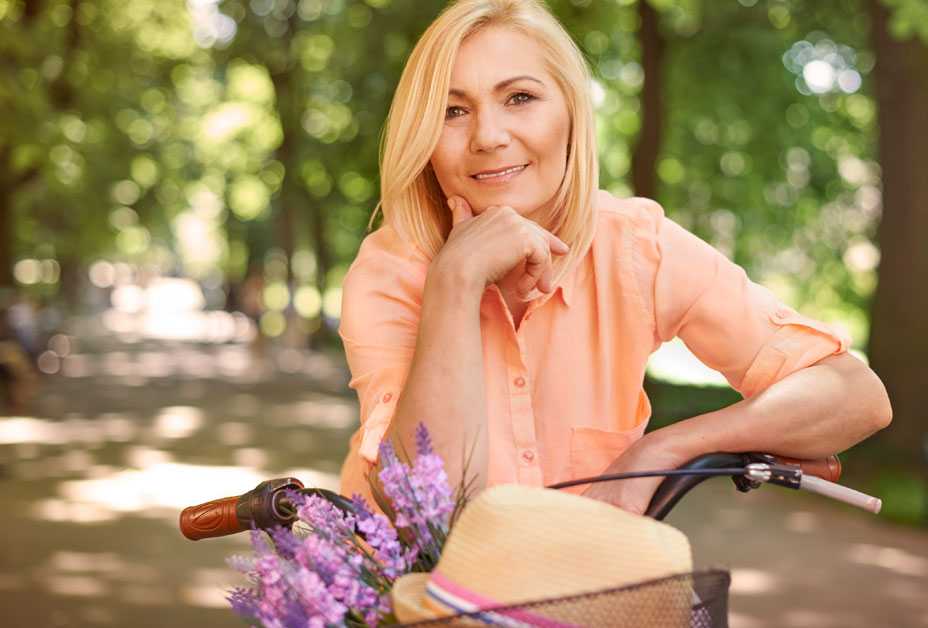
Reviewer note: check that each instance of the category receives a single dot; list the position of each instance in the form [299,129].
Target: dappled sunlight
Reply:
[161,488]
[98,574]
[325,412]
[809,618]
[64,511]
[673,362]
[210,587]
[27,429]
[234,433]
[107,427]
[178,422]
[890,558]
[170,308]
[745,581]
[312,478]
[251,457]
[144,595]
[740,620]
[77,366]
[111,426]
[84,586]
[142,457]
[220,361]
[802,522]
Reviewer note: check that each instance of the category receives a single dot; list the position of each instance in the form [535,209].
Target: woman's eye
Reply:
[449,112]
[522,97]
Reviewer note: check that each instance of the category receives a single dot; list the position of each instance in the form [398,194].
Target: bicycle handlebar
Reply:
[267,504]
[221,517]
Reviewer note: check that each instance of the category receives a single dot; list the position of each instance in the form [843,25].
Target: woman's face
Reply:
[504,112]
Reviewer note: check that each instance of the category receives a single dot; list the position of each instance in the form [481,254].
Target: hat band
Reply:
[460,599]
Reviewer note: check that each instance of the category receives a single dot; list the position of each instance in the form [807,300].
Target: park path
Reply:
[128,433]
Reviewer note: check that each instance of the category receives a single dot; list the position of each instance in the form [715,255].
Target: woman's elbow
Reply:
[880,407]
[885,413]
[865,391]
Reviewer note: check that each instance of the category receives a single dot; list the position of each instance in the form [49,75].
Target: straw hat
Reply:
[515,544]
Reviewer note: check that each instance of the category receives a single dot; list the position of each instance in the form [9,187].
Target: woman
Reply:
[511,305]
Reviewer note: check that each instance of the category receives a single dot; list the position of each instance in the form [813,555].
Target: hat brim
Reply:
[408,597]
[411,603]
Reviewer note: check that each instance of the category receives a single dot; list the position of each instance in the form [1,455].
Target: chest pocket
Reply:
[592,450]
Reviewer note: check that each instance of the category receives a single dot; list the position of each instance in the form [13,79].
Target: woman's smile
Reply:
[499,177]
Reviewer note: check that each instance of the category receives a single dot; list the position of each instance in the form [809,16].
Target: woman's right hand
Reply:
[485,248]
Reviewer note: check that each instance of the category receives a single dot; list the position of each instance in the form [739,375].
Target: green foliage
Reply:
[909,18]
[211,136]
[904,495]
[777,173]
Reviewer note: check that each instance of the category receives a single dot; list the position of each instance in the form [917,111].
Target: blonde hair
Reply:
[410,197]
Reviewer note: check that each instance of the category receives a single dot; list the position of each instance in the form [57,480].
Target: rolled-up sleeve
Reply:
[730,323]
[381,302]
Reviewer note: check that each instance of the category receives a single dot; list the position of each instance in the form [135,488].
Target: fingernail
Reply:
[451,203]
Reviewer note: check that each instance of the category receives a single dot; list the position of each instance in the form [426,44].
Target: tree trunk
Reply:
[286,215]
[322,336]
[644,158]
[6,237]
[898,344]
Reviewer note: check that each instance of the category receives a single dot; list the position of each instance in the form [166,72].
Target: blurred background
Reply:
[184,183]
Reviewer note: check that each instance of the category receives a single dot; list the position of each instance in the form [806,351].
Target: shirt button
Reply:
[528,455]
[519,381]
[387,397]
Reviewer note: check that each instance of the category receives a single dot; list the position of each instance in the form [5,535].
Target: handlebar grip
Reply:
[215,518]
[260,507]
[826,468]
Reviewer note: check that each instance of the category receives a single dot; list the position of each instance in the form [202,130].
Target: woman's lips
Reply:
[504,177]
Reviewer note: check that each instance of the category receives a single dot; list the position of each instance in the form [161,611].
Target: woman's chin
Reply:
[518,202]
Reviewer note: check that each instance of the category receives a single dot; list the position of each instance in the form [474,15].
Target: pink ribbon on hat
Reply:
[462,600]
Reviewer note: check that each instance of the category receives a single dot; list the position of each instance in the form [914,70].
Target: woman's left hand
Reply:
[634,495]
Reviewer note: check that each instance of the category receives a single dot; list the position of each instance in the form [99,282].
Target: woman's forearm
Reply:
[815,412]
[445,386]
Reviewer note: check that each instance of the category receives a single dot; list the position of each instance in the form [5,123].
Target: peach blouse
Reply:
[564,391]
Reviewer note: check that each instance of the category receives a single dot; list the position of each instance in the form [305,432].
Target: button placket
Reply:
[522,415]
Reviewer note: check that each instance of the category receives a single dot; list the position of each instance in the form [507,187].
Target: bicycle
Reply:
[267,505]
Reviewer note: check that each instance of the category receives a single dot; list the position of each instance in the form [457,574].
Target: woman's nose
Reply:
[489,132]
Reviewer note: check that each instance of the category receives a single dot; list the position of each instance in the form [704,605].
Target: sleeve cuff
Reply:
[375,427]
[798,342]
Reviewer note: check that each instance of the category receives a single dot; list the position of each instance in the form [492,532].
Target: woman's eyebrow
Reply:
[499,86]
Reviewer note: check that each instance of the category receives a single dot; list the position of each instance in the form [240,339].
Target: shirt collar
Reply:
[567,288]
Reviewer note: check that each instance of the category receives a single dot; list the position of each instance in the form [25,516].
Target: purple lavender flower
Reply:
[337,559]
[330,576]
[315,598]
[394,476]
[420,496]
[286,595]
[381,536]
[423,441]
[242,564]
[244,602]
[325,518]
[430,483]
